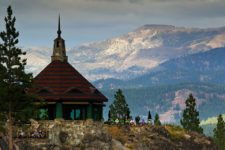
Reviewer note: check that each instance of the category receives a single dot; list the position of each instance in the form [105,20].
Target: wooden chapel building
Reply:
[65,91]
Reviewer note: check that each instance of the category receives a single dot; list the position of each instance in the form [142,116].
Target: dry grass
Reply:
[117,133]
[175,132]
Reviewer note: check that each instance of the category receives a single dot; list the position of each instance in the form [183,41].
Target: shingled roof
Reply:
[59,81]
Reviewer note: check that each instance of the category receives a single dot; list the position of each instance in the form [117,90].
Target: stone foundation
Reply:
[72,132]
[68,134]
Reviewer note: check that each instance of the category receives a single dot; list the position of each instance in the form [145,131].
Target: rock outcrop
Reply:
[158,138]
[89,135]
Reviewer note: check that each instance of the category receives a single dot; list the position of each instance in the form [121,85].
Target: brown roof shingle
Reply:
[60,81]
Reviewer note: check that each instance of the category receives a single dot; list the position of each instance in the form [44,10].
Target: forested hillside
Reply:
[169,100]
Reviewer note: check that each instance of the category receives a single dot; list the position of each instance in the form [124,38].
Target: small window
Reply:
[57,44]
[43,114]
[76,114]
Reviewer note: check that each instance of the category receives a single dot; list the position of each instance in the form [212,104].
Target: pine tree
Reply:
[157,121]
[119,108]
[219,133]
[128,114]
[149,115]
[15,103]
[190,120]
[137,120]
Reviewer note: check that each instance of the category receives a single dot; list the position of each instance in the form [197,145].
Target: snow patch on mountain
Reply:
[37,58]
[135,53]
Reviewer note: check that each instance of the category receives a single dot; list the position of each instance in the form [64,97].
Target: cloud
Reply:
[85,19]
[130,1]
[109,10]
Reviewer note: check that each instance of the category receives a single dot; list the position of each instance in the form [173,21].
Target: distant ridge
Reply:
[203,67]
[137,52]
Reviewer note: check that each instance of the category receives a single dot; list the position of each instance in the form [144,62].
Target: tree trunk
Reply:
[10,132]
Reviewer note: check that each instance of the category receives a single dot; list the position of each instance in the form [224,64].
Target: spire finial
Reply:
[59,28]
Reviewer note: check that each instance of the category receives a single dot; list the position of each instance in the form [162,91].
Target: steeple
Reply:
[59,49]
[59,28]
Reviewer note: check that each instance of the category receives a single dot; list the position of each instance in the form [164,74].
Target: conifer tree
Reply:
[137,120]
[190,120]
[219,133]
[149,115]
[15,103]
[128,115]
[157,121]
[119,108]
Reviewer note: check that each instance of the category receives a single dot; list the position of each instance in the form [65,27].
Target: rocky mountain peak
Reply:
[138,51]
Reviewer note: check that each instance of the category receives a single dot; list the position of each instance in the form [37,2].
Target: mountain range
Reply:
[157,67]
[134,53]
[202,67]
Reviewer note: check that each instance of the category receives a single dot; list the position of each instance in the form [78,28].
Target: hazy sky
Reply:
[94,20]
